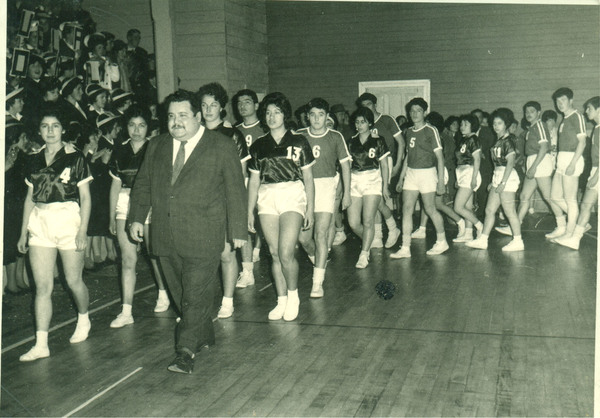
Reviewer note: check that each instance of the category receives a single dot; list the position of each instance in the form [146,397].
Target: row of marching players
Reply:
[297,180]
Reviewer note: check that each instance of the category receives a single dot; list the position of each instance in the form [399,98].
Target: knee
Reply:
[227,257]
[321,235]
[489,211]
[43,290]
[286,255]
[128,262]
[354,223]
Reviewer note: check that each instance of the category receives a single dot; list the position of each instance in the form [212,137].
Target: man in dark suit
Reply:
[192,179]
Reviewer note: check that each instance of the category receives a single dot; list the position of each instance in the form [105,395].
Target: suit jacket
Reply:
[207,203]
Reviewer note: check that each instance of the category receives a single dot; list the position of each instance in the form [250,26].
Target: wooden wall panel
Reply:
[118,17]
[246,27]
[475,55]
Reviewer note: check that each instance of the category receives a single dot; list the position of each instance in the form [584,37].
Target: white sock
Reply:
[318,274]
[248,266]
[561,222]
[469,231]
[41,339]
[578,232]
[282,300]
[365,253]
[255,252]
[84,318]
[483,237]
[227,301]
[517,238]
[341,229]
[126,309]
[391,223]
[162,294]
[378,233]
[441,237]
[292,294]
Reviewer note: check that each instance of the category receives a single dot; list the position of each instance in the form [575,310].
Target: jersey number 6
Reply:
[317,151]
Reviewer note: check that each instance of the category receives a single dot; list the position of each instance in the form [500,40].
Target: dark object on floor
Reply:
[385,289]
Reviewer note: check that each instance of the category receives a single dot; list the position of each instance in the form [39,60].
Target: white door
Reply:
[392,96]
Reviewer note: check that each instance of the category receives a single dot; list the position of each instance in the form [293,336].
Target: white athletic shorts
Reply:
[594,169]
[54,225]
[562,162]
[278,198]
[423,180]
[544,168]
[512,185]
[365,183]
[325,190]
[123,206]
[464,175]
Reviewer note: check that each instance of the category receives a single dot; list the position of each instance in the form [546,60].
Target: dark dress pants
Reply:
[193,282]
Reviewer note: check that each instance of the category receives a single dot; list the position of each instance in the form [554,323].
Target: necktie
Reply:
[179,162]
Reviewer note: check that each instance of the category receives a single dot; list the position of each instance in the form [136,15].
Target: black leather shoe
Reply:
[183,363]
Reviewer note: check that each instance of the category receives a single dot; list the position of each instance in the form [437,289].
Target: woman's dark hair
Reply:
[13,132]
[473,121]
[281,102]
[218,92]
[450,120]
[137,111]
[435,119]
[85,132]
[52,111]
[506,115]
[549,114]
[366,113]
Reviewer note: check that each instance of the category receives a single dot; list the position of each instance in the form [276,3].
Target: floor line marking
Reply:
[266,287]
[17,401]
[89,401]
[69,321]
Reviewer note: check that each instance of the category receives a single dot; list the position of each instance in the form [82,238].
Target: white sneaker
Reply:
[317,289]
[558,232]
[514,245]
[121,320]
[225,312]
[570,242]
[339,238]
[403,252]
[438,248]
[505,230]
[464,238]
[162,304]
[245,279]
[363,261]
[479,243]
[81,333]
[377,243]
[291,309]
[392,238]
[419,233]
[35,353]
[277,313]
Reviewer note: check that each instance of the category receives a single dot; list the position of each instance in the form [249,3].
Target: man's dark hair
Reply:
[182,95]
[536,105]
[418,101]
[318,103]
[549,114]
[563,91]
[366,96]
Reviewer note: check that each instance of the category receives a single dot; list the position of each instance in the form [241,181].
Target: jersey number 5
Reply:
[412,142]
[65,176]
[293,153]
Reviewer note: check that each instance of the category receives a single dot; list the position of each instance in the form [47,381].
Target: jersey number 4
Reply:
[65,176]
[293,153]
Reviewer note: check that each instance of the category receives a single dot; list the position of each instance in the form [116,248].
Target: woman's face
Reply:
[454,127]
[51,95]
[499,126]
[137,128]
[465,128]
[35,70]
[211,109]
[274,117]
[18,105]
[101,100]
[100,50]
[51,130]
[362,125]
[77,93]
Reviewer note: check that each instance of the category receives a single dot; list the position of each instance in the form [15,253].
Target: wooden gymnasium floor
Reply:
[468,333]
